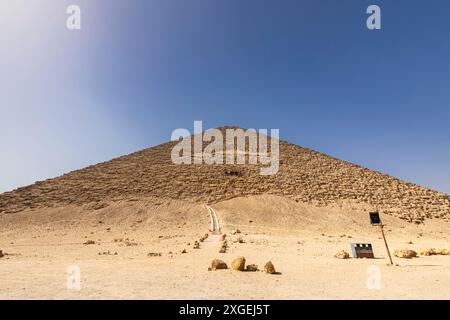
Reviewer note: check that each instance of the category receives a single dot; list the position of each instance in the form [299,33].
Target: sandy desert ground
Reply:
[299,239]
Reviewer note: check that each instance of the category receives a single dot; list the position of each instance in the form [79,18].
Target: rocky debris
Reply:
[239,240]
[251,268]
[217,264]
[88,242]
[342,255]
[223,247]
[196,245]
[427,252]
[154,254]
[233,232]
[238,264]
[269,268]
[405,253]
[222,237]
[107,253]
[126,242]
[433,252]
[204,237]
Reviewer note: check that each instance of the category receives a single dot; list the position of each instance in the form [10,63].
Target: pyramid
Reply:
[304,175]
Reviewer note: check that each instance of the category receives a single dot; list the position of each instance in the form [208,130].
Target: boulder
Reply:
[405,253]
[218,264]
[238,264]
[427,252]
[251,267]
[342,255]
[269,268]
[432,252]
[444,252]
[1,254]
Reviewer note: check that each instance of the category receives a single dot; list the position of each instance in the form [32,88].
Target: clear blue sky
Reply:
[139,69]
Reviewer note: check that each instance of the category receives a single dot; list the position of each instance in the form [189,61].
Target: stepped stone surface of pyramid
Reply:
[304,175]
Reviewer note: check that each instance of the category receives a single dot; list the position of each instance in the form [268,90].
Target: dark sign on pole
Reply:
[375,218]
[376,221]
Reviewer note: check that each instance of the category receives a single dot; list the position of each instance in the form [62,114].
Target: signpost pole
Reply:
[385,243]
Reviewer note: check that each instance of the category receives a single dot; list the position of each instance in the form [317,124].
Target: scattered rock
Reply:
[154,254]
[131,244]
[432,252]
[269,268]
[89,242]
[184,251]
[222,237]
[251,267]
[405,253]
[342,255]
[196,245]
[233,232]
[238,264]
[1,254]
[239,240]
[223,247]
[427,252]
[107,253]
[218,264]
